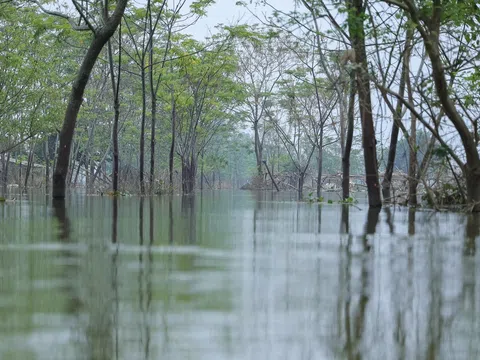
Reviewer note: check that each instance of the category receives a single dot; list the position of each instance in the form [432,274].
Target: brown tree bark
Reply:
[172,146]
[348,139]
[258,149]
[397,118]
[142,129]
[189,171]
[46,155]
[116,107]
[356,15]
[412,158]
[100,38]
[29,166]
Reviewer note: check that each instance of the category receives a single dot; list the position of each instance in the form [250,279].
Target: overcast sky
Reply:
[226,12]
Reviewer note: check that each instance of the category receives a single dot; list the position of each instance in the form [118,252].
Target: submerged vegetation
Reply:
[120,98]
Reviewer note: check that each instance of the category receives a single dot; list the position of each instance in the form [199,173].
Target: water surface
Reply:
[235,275]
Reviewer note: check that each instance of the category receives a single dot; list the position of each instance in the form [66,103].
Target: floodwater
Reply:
[235,275]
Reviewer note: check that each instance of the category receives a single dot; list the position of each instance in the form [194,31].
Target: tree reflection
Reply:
[411,221]
[389,219]
[72,270]
[370,226]
[115,272]
[319,218]
[145,275]
[188,212]
[170,219]
[95,278]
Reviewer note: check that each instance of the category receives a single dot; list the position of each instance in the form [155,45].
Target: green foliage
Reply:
[350,200]
[34,73]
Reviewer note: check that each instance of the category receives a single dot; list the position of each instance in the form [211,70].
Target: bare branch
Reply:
[63,16]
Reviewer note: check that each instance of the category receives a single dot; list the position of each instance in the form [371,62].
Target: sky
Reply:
[227,12]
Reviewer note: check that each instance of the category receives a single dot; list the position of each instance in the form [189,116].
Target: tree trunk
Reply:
[154,115]
[152,143]
[73,160]
[392,151]
[258,150]
[47,165]
[76,98]
[172,147]
[188,174]
[301,179]
[319,173]
[201,175]
[348,139]
[29,166]
[412,158]
[2,179]
[397,118]
[6,166]
[357,33]
[142,130]
[472,177]
[116,107]
[320,165]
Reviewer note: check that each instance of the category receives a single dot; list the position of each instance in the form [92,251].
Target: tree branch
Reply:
[63,16]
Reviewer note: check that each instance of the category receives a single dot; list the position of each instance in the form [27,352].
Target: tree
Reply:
[356,15]
[30,82]
[434,22]
[262,60]
[100,35]
[207,97]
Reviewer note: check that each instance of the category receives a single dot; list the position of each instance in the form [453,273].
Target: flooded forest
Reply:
[271,179]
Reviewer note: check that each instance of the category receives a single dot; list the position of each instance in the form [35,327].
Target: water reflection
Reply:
[263,278]
[189,215]
[93,312]
[389,219]
[411,221]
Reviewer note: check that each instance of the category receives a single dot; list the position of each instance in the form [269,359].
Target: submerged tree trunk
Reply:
[301,180]
[357,33]
[348,139]
[258,149]
[189,172]
[100,38]
[319,173]
[472,177]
